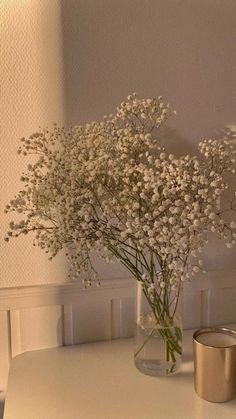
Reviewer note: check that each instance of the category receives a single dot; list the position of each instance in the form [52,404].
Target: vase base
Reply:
[157,368]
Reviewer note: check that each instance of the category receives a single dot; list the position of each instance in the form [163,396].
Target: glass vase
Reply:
[158,335]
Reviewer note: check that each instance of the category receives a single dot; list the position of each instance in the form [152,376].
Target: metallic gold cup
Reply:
[214,352]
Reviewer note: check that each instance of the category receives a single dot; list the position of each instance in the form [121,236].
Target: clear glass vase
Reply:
[158,336]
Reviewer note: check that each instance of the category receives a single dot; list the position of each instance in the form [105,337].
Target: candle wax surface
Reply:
[217,339]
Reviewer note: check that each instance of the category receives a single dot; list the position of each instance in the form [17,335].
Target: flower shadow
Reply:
[174,142]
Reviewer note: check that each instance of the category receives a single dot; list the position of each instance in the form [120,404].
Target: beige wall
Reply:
[182,49]
[32,93]
[79,58]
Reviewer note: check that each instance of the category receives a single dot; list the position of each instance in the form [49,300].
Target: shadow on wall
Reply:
[174,142]
[2,401]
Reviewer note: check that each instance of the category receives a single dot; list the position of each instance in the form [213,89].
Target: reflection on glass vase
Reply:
[158,336]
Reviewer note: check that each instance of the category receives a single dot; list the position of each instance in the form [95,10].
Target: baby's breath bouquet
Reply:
[108,187]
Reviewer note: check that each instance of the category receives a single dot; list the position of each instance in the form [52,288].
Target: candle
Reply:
[215,363]
[216,339]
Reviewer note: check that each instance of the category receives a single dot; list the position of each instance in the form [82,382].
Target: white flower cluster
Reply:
[109,187]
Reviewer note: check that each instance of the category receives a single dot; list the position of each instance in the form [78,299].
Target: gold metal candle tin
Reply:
[215,364]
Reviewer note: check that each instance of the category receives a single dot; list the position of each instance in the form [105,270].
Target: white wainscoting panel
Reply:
[5,349]
[37,328]
[191,308]
[67,324]
[91,320]
[122,317]
[219,306]
[15,333]
[39,317]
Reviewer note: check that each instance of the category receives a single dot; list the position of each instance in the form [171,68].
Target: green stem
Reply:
[145,341]
[160,305]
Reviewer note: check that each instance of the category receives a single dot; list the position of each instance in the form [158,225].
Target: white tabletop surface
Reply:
[100,381]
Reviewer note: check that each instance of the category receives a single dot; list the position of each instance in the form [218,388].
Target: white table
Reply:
[100,381]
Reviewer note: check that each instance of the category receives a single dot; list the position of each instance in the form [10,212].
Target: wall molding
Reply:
[41,295]
[50,294]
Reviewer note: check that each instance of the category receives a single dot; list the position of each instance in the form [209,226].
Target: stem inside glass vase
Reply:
[158,340]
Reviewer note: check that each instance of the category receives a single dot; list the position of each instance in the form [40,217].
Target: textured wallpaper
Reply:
[74,60]
[31,95]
